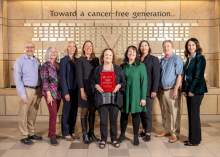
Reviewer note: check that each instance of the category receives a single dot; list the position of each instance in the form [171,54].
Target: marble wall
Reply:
[112,23]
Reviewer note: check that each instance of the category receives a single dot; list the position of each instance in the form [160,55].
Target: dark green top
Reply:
[194,80]
[136,87]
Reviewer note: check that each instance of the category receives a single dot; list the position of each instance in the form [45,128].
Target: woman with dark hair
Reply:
[109,85]
[194,87]
[69,91]
[135,92]
[153,72]
[85,68]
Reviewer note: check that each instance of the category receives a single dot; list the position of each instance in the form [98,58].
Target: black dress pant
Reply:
[111,111]
[146,117]
[193,106]
[135,122]
[69,114]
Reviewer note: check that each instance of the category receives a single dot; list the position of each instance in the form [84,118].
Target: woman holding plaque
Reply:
[135,92]
[194,87]
[109,84]
[85,68]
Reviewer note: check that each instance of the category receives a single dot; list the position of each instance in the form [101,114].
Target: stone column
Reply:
[218,10]
[4,75]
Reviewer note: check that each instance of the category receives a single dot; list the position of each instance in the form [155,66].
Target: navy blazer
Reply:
[67,75]
[194,80]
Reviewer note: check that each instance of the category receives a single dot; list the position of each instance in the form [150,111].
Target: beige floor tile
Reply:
[159,152]
[34,153]
[180,152]
[118,152]
[139,153]
[98,152]
[2,152]
[94,146]
[6,145]
[53,152]
[157,147]
[44,145]
[77,153]
[13,153]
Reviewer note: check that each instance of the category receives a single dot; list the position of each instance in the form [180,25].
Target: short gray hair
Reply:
[167,41]
[47,54]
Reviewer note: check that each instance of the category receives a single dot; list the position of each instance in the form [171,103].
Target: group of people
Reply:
[131,89]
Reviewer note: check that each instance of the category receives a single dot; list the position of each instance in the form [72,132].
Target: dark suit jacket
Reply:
[120,79]
[85,69]
[67,75]
[153,73]
[194,80]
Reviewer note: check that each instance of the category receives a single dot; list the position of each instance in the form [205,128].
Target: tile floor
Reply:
[157,147]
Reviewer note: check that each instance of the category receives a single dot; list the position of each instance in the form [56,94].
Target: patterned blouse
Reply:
[50,80]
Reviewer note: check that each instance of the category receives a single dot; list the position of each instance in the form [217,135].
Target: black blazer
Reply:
[67,75]
[194,80]
[85,69]
[120,79]
[153,73]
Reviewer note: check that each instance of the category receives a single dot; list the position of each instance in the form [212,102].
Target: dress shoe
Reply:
[162,134]
[173,139]
[35,137]
[68,138]
[190,144]
[75,137]
[147,138]
[92,137]
[53,141]
[186,141]
[142,134]
[26,141]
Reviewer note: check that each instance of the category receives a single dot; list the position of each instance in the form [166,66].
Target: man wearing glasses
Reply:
[27,80]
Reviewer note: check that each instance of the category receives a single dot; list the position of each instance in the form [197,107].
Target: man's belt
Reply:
[166,89]
[32,87]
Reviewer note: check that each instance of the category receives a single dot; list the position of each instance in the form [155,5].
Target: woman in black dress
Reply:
[85,68]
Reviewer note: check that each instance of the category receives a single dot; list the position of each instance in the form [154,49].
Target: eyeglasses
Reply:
[30,47]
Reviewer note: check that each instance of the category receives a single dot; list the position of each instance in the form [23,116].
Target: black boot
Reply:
[84,130]
[86,139]
[136,125]
[123,125]
[121,137]
[136,140]
[91,134]
[53,141]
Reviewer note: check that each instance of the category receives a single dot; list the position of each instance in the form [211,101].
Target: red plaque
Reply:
[107,81]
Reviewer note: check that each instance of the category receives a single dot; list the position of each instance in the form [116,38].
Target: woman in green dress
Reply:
[135,92]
